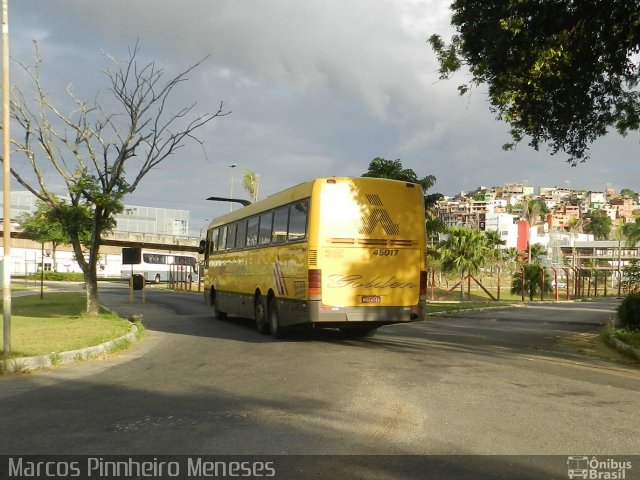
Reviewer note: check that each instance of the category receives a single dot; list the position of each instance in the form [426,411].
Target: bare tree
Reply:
[100,154]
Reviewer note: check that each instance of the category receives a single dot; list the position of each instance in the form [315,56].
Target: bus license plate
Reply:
[371,299]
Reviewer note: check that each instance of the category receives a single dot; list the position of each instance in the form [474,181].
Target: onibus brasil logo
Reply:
[595,468]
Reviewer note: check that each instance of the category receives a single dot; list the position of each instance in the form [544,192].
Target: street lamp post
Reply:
[206,221]
[232,166]
[6,181]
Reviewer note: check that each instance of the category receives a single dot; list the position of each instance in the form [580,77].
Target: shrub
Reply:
[59,276]
[629,312]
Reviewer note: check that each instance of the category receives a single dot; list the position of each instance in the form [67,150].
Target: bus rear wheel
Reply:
[274,319]
[260,314]
[156,280]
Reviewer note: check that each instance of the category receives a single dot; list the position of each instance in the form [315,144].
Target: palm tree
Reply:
[619,235]
[575,226]
[464,250]
[532,279]
[494,241]
[536,252]
[251,182]
[531,213]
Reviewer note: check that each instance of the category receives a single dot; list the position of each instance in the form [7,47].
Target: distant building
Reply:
[163,227]
[133,219]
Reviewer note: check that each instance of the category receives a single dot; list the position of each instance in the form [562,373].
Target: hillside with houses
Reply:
[586,224]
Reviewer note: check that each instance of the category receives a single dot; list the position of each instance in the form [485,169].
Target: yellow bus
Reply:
[345,253]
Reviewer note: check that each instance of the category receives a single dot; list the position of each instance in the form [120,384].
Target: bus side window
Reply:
[241,234]
[213,242]
[266,224]
[231,236]
[298,220]
[252,232]
[222,238]
[280,221]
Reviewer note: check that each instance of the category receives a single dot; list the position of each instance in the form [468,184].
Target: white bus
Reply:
[158,267]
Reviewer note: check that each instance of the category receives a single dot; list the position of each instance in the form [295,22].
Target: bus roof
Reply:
[290,195]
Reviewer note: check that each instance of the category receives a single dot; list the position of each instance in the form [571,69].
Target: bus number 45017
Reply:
[385,252]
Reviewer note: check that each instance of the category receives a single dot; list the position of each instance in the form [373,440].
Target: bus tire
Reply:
[260,314]
[217,313]
[274,319]
[156,280]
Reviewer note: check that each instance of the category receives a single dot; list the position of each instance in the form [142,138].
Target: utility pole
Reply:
[6,169]
[232,166]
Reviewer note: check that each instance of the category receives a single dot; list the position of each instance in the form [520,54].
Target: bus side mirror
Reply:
[202,247]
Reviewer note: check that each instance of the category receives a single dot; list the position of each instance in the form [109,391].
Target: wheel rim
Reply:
[261,319]
[274,321]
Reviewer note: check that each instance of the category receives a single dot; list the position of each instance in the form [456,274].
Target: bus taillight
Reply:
[315,283]
[423,285]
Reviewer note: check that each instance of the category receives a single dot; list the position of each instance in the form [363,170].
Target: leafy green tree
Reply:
[628,193]
[464,251]
[100,152]
[392,169]
[598,224]
[43,226]
[48,225]
[632,232]
[561,73]
[532,281]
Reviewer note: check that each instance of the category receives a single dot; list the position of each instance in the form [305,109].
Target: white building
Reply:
[134,224]
[504,224]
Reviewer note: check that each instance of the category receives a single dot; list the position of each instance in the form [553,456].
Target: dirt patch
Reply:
[592,345]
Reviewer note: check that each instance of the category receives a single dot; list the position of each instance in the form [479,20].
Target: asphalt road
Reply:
[514,381]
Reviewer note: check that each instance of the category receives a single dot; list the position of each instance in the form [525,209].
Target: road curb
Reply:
[54,359]
[464,310]
[624,347]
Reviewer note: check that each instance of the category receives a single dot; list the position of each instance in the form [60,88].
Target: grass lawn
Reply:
[627,336]
[57,324]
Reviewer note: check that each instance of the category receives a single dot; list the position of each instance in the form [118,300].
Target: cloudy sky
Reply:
[316,88]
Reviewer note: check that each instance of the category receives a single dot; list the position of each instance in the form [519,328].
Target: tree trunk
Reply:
[90,276]
[54,246]
[93,304]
